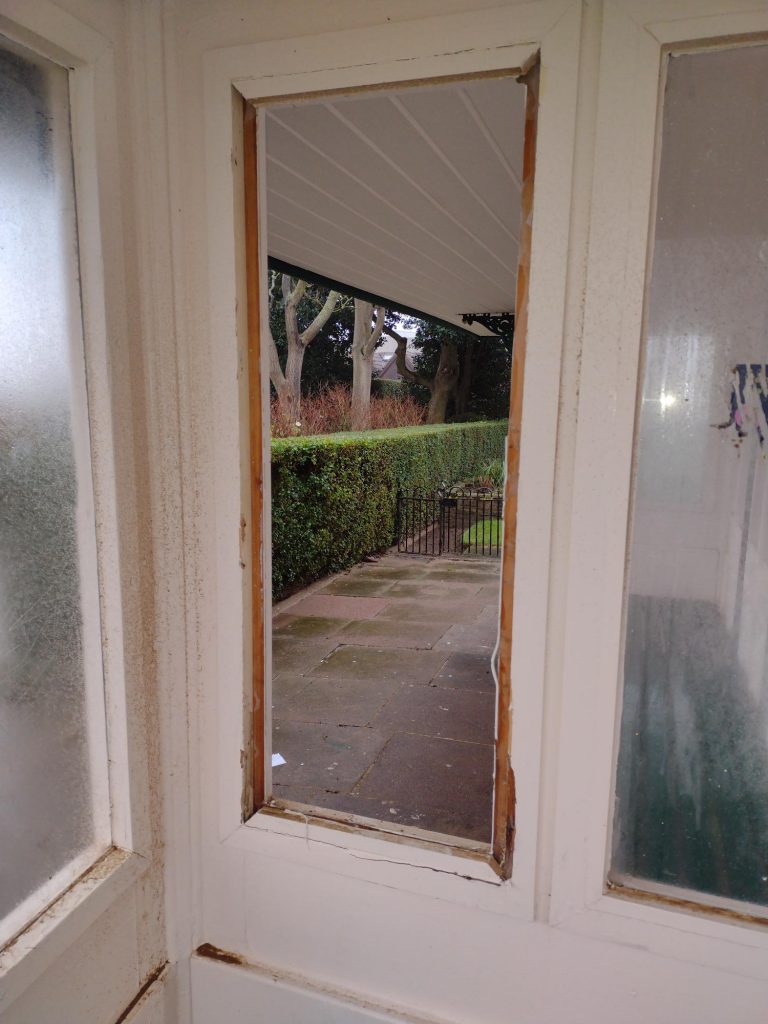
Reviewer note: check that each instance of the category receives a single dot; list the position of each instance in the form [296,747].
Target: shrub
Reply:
[329,410]
[334,497]
[389,388]
[491,475]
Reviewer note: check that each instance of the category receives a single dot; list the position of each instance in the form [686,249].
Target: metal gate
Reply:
[452,520]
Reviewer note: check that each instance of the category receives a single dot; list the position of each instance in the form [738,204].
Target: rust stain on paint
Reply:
[212,952]
[155,976]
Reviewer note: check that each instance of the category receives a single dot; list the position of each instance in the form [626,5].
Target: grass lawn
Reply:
[485,534]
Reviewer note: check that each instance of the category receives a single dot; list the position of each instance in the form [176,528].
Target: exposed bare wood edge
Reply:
[504,780]
[725,42]
[504,787]
[406,83]
[626,892]
[251,200]
[525,70]
[155,976]
[107,862]
[342,821]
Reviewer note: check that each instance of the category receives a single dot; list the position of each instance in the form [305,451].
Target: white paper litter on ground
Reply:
[278,759]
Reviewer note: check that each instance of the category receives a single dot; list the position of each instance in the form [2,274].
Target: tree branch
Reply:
[276,375]
[373,337]
[320,320]
[394,335]
[295,296]
[402,368]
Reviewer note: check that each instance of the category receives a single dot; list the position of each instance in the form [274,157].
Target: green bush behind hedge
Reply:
[334,496]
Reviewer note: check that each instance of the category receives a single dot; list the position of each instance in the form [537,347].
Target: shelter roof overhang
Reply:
[408,197]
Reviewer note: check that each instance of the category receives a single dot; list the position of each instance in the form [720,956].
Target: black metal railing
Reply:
[451,520]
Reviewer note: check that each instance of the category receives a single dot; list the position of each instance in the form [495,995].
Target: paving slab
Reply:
[286,691]
[471,822]
[380,632]
[431,773]
[402,666]
[434,610]
[383,698]
[329,756]
[357,586]
[433,711]
[422,589]
[330,606]
[391,572]
[335,701]
[473,639]
[469,819]
[298,656]
[489,616]
[316,797]
[471,574]
[305,627]
[466,671]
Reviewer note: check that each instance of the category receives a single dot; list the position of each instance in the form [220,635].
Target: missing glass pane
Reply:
[359,728]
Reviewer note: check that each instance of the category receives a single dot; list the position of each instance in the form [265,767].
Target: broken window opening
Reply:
[363,646]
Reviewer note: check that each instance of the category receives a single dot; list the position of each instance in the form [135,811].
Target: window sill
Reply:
[675,932]
[344,823]
[695,904]
[411,860]
[28,955]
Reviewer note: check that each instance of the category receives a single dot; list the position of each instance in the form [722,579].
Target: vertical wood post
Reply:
[253,296]
[504,786]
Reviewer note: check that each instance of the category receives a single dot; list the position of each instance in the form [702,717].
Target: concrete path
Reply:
[383,699]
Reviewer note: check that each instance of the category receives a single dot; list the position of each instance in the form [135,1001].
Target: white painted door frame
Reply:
[453,45]
[636,36]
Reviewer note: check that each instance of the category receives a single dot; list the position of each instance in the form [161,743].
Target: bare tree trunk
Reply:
[465,380]
[276,375]
[362,373]
[290,400]
[444,383]
[364,341]
[289,397]
[442,386]
[287,384]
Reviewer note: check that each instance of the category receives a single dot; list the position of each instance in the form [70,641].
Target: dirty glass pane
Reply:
[51,725]
[692,782]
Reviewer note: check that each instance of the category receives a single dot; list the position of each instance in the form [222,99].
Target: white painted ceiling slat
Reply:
[478,156]
[388,263]
[370,282]
[346,216]
[433,202]
[344,263]
[431,133]
[412,194]
[491,119]
[368,188]
[451,165]
[336,236]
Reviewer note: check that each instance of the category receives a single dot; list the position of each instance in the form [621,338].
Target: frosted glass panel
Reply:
[52,761]
[692,780]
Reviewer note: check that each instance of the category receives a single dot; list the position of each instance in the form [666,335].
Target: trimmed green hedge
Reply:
[334,496]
